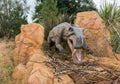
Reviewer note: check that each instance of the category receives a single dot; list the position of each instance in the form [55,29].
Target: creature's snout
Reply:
[80,44]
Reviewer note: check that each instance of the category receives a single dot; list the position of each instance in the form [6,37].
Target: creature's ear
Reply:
[70,29]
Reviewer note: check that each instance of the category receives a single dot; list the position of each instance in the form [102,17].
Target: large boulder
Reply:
[32,65]
[28,42]
[97,36]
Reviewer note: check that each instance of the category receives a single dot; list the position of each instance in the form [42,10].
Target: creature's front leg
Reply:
[59,46]
[50,43]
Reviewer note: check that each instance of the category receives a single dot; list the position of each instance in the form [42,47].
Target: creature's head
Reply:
[76,43]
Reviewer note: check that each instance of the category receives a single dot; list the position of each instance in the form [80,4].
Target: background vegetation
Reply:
[12,15]
[110,13]
[53,12]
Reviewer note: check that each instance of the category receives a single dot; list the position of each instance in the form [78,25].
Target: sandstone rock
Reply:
[97,36]
[28,42]
[38,78]
[39,72]
[19,72]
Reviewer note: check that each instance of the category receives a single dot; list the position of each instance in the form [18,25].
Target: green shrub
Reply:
[110,13]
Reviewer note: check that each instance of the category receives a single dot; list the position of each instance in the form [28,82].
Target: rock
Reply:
[37,78]
[19,72]
[28,42]
[39,73]
[97,36]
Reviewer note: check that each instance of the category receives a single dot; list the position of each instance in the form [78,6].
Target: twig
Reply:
[116,81]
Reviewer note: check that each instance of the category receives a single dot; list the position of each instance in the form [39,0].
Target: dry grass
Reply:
[6,65]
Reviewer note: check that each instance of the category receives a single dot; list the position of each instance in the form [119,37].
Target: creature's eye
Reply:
[70,29]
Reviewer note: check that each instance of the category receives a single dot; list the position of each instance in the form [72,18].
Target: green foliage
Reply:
[74,6]
[53,12]
[69,8]
[37,15]
[11,17]
[110,13]
[47,13]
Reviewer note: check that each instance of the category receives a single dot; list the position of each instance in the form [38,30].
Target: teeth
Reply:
[77,54]
[74,51]
[79,58]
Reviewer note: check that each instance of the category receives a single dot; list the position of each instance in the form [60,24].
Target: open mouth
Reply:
[77,56]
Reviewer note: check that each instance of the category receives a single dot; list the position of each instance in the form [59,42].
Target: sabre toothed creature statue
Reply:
[73,35]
